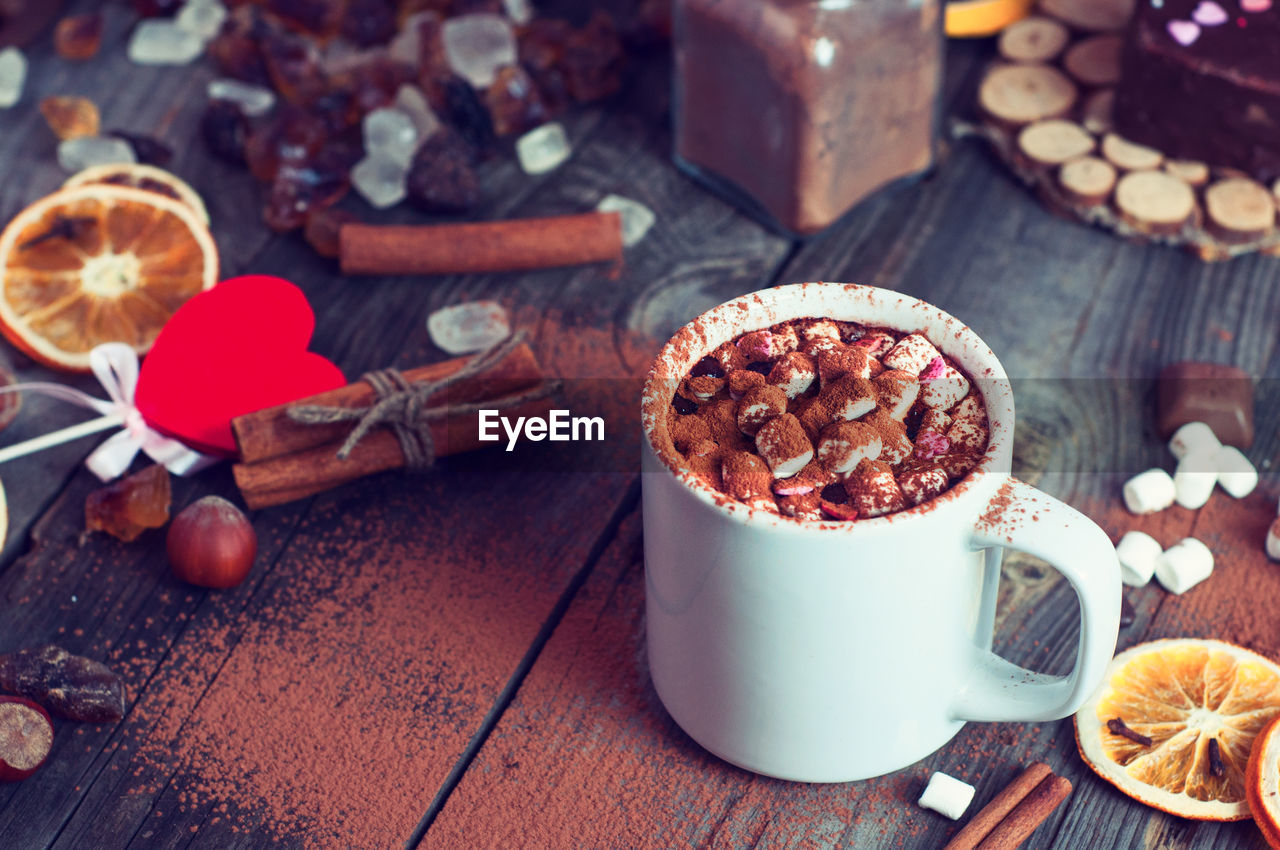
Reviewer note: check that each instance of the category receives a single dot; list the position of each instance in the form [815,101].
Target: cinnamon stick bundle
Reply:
[1014,813]
[283,460]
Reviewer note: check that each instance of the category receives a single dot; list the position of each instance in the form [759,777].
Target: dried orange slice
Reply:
[981,18]
[141,176]
[1174,722]
[1262,783]
[99,263]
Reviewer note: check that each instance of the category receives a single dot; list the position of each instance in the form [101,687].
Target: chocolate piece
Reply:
[1206,91]
[1216,394]
[70,686]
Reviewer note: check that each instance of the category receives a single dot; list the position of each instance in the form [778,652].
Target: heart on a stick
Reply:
[233,349]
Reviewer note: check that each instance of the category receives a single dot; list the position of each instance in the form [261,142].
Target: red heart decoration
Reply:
[233,349]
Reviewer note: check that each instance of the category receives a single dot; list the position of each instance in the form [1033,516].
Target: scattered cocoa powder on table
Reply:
[330,710]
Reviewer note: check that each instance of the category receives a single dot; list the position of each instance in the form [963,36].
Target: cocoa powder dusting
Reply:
[786,387]
[326,707]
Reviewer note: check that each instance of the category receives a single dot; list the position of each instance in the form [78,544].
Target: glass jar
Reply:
[798,109]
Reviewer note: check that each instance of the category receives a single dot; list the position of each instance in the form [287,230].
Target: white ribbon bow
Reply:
[115,365]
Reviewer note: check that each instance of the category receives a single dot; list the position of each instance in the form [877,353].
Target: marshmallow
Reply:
[757,346]
[921,485]
[844,445]
[936,421]
[702,388]
[1194,479]
[814,416]
[971,409]
[947,795]
[968,435]
[849,398]
[1149,492]
[784,445]
[823,329]
[957,465]
[1273,540]
[872,489]
[758,406]
[785,341]
[1235,473]
[897,445]
[1184,565]
[1137,552]
[931,444]
[896,392]
[834,365]
[945,389]
[876,342]
[911,354]
[801,506]
[741,380]
[1193,437]
[793,373]
[819,337]
[745,475]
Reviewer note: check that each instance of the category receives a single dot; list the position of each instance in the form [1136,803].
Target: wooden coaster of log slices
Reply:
[1046,107]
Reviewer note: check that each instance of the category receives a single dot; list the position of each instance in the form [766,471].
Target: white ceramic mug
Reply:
[833,651]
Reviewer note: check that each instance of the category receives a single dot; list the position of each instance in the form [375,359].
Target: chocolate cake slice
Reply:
[1201,80]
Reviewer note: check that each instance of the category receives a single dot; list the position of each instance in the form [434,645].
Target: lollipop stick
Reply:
[66,435]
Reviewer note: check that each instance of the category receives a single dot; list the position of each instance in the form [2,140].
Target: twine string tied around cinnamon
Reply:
[403,406]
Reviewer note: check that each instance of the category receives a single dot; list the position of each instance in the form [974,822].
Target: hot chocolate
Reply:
[818,419]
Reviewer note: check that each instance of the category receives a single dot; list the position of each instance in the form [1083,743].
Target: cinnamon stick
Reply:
[511,245]
[981,824]
[271,433]
[1034,809]
[284,478]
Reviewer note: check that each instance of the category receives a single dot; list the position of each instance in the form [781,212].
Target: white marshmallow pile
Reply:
[947,795]
[1178,568]
[1203,461]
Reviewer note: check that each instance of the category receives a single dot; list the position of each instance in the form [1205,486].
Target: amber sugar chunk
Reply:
[78,37]
[70,117]
[128,507]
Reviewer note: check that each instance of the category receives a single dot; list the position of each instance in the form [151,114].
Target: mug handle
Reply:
[1021,517]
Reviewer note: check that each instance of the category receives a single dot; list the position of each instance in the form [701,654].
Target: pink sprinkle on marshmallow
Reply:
[931,444]
[936,368]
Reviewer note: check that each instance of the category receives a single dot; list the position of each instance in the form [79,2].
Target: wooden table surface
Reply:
[519,577]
